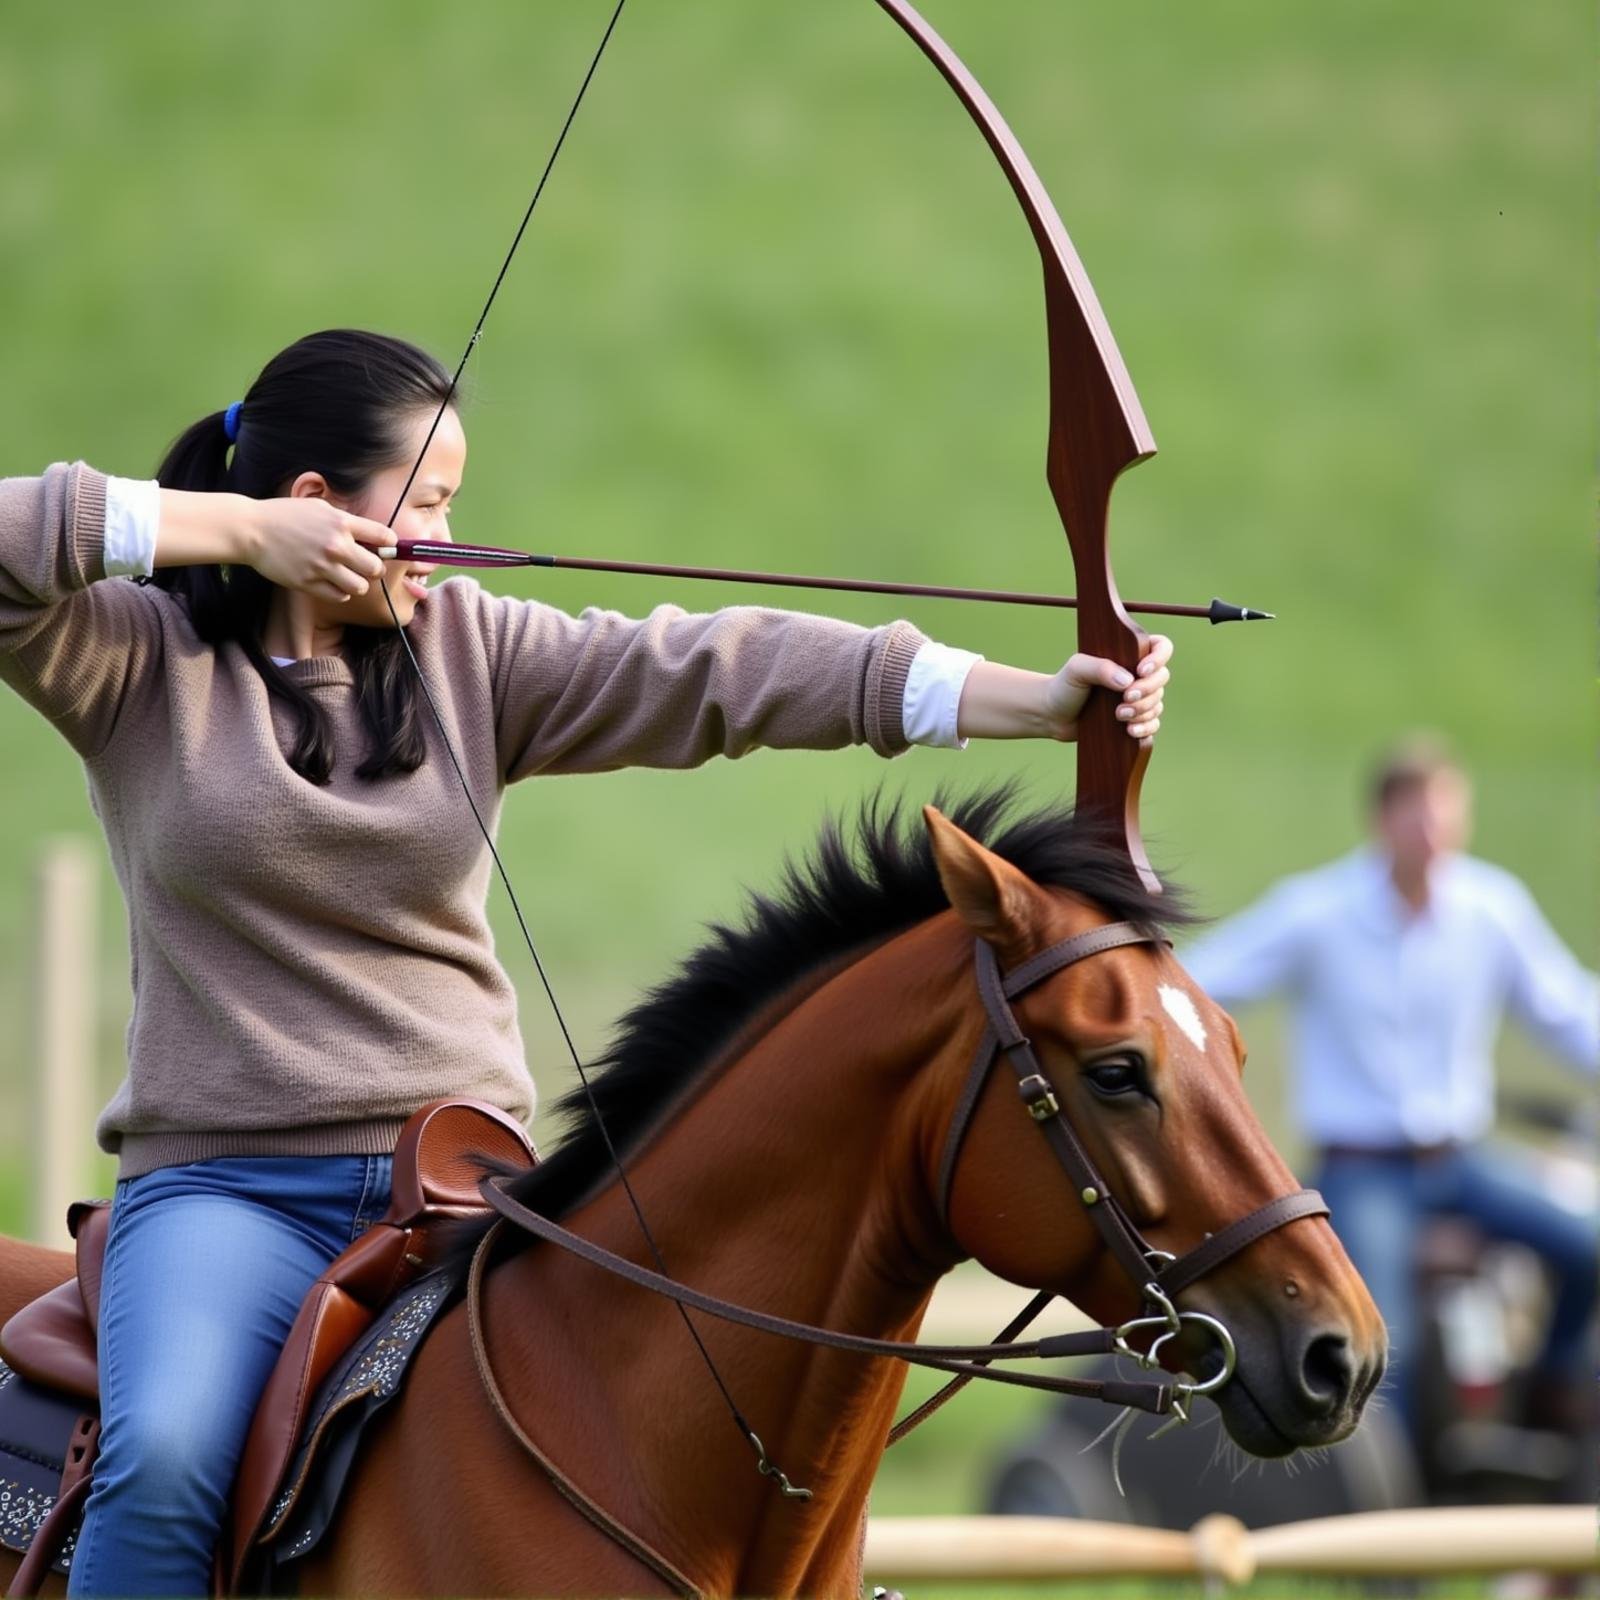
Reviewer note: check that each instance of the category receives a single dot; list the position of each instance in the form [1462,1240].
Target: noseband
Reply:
[1156,1274]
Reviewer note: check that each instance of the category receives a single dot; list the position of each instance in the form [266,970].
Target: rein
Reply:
[1157,1274]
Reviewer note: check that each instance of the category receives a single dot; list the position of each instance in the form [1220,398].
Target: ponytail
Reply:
[198,458]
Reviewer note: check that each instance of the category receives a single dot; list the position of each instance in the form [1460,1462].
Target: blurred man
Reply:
[1399,960]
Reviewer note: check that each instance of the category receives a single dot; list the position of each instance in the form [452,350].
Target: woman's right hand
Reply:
[309,544]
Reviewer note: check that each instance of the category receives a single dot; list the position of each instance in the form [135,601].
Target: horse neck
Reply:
[797,1181]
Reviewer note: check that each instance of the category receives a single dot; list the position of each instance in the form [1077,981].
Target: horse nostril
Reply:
[1327,1372]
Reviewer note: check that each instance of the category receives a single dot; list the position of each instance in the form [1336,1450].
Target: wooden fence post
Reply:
[65,1001]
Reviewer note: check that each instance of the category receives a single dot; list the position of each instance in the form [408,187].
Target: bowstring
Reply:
[539,966]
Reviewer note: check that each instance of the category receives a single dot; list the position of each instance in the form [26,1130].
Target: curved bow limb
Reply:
[1097,429]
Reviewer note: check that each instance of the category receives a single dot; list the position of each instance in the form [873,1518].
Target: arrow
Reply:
[467,555]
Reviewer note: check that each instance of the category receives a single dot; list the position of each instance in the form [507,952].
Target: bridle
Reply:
[1157,1275]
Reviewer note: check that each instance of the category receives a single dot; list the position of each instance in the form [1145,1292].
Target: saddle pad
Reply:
[365,1379]
[35,1427]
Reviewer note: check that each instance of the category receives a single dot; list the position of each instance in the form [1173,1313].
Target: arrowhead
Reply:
[1222,611]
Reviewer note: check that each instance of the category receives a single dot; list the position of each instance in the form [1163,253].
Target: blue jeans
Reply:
[1380,1200]
[206,1267]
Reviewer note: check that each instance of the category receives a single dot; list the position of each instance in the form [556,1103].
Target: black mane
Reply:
[852,891]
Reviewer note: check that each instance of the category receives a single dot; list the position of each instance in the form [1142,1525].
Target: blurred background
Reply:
[778,307]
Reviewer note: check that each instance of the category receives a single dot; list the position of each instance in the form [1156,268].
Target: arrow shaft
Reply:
[490,556]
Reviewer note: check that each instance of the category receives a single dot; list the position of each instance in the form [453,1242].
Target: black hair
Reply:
[337,403]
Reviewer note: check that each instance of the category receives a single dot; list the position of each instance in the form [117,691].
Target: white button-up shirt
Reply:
[1395,1011]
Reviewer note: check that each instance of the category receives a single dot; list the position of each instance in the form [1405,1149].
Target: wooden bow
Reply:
[1097,429]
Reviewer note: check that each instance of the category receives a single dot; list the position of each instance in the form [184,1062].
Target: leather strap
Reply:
[1094,1193]
[1064,953]
[1116,1228]
[967,1359]
[948,1391]
[586,1507]
[1216,1248]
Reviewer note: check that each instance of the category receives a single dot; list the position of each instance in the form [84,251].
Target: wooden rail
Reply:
[1452,1539]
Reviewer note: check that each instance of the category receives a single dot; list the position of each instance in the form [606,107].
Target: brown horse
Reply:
[782,1106]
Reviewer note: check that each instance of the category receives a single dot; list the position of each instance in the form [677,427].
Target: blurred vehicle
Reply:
[1487,1431]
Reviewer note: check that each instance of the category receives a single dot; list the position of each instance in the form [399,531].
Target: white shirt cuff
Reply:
[933,694]
[133,514]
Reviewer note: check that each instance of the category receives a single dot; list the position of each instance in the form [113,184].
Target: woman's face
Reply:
[424,515]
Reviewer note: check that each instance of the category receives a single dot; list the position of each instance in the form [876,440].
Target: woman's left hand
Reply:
[1139,709]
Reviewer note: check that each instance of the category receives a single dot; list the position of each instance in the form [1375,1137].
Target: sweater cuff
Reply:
[86,518]
[886,688]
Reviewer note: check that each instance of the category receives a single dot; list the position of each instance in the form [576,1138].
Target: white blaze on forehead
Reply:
[1181,1009]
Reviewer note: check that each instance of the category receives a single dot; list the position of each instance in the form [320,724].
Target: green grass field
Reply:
[778,308]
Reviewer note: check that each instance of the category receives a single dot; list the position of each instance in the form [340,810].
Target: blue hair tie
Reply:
[230,420]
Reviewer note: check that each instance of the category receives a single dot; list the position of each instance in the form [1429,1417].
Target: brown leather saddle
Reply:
[52,1341]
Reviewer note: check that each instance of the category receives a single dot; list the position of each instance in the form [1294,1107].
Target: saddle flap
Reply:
[333,1436]
[49,1341]
[338,1309]
[46,1444]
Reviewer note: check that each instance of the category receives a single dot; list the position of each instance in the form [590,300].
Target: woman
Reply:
[258,751]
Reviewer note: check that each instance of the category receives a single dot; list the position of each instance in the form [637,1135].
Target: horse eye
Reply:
[1114,1077]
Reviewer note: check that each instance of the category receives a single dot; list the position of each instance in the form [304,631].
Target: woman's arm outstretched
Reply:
[72,643]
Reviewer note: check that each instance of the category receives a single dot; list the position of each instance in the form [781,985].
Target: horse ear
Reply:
[996,901]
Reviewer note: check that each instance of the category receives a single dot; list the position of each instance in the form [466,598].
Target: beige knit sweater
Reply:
[302,980]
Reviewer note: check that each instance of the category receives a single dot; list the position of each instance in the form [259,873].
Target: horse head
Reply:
[1147,1071]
